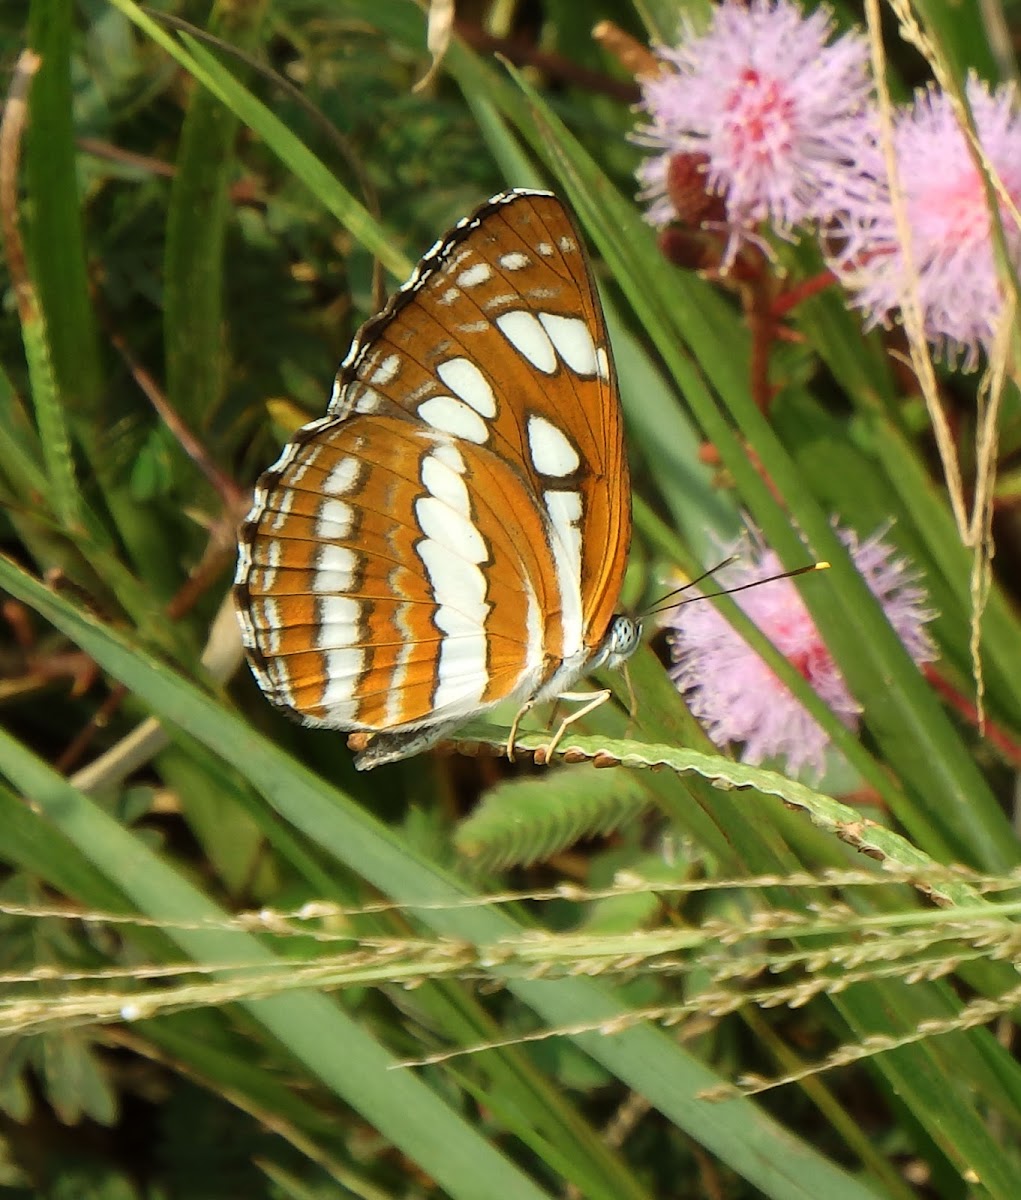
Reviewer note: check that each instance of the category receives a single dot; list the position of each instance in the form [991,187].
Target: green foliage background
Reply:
[188,217]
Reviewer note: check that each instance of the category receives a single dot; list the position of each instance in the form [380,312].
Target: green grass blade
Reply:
[304,165]
[56,236]
[331,1047]
[646,1059]
[197,222]
[947,805]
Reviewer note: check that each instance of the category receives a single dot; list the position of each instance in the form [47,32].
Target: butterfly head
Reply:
[620,642]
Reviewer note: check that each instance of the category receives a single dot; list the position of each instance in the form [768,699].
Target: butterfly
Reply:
[454,532]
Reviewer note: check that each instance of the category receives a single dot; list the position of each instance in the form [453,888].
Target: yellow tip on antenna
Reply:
[821,566]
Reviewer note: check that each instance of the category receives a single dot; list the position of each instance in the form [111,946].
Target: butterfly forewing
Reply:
[454,532]
[539,339]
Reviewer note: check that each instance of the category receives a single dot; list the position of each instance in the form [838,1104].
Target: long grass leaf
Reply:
[330,1045]
[649,1061]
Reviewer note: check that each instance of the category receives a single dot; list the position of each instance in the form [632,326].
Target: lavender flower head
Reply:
[739,699]
[948,215]
[775,111]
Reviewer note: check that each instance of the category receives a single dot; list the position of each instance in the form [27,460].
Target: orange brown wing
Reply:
[502,321]
[454,532]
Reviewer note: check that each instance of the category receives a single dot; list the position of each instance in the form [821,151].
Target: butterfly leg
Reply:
[632,699]
[589,701]
[513,735]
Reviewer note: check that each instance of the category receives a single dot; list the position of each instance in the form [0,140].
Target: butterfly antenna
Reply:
[660,606]
[655,606]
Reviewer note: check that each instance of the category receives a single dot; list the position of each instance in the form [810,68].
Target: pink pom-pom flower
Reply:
[738,698]
[773,105]
[948,215]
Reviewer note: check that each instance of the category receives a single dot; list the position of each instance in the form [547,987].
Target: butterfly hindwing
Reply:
[383,591]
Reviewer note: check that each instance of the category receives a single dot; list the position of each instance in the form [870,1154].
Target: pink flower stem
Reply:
[805,290]
[1004,743]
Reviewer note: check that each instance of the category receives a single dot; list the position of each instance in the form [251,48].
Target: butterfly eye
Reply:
[453,533]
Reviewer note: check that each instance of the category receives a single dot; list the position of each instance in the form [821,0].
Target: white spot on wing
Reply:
[344,667]
[270,626]
[459,589]
[265,614]
[504,300]
[335,569]
[564,510]
[474,275]
[445,483]
[602,363]
[368,400]
[340,622]
[567,245]
[551,451]
[514,261]
[343,477]
[301,466]
[450,529]
[394,699]
[334,519]
[451,552]
[573,340]
[387,371]
[428,388]
[283,511]
[467,382]
[449,296]
[528,337]
[264,576]
[454,417]
[278,680]
[545,249]
[450,456]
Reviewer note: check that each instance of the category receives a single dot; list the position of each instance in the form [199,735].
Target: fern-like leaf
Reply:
[527,820]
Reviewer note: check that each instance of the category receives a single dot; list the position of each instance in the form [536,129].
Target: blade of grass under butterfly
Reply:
[648,1060]
[330,1045]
